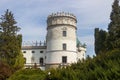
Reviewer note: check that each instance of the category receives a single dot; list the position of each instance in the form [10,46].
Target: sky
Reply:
[31,16]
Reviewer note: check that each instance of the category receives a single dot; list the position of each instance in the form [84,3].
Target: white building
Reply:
[62,46]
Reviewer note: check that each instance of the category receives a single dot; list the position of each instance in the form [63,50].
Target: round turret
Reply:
[61,39]
[61,19]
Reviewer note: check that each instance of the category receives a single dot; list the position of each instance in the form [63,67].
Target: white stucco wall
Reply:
[53,50]
[37,55]
[55,40]
[58,45]
[56,57]
[81,53]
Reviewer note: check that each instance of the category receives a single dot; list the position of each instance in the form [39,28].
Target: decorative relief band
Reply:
[56,21]
[57,64]
[61,18]
[61,50]
[33,47]
[57,25]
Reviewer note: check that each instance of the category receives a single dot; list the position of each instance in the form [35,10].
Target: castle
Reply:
[61,47]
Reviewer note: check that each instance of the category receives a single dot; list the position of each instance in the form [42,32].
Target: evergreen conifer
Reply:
[113,40]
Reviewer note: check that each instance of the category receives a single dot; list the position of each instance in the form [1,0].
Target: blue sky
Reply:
[31,16]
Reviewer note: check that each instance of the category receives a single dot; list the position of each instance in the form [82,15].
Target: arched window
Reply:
[41,61]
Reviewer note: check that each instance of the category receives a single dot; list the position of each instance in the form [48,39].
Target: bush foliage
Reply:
[28,74]
[103,67]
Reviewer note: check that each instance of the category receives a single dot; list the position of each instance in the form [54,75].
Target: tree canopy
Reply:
[8,24]
[105,41]
[102,67]
[114,27]
[100,37]
[10,42]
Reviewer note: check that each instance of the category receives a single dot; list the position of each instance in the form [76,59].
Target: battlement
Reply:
[61,18]
[58,14]
[31,43]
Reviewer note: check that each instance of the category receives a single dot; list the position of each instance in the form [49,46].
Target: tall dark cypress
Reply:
[96,35]
[113,40]
[100,37]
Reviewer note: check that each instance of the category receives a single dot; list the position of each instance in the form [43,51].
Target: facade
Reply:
[61,47]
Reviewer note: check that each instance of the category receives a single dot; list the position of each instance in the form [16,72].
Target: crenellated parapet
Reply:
[61,18]
[62,14]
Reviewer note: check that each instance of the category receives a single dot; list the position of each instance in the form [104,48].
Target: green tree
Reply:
[10,41]
[8,24]
[102,67]
[5,70]
[113,40]
[100,38]
[28,74]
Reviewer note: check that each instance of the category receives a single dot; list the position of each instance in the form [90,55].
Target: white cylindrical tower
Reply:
[61,40]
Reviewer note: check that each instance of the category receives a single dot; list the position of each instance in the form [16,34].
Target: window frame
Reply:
[41,51]
[41,60]
[64,46]
[64,33]
[64,59]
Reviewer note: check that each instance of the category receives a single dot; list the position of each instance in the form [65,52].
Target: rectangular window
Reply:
[41,51]
[64,59]
[41,61]
[64,33]
[64,46]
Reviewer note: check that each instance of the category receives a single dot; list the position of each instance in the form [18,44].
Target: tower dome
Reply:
[61,39]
